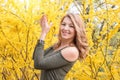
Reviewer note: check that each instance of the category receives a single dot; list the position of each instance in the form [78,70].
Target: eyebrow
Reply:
[69,24]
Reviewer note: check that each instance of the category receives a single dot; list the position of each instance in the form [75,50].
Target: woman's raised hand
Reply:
[45,26]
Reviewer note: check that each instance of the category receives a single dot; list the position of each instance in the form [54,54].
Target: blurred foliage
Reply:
[20,29]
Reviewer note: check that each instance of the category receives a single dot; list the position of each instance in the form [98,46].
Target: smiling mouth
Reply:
[65,33]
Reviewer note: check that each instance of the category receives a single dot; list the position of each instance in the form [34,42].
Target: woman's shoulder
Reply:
[70,53]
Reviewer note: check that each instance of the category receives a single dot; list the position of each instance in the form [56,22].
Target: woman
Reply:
[56,61]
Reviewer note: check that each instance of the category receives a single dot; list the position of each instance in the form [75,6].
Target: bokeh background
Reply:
[20,30]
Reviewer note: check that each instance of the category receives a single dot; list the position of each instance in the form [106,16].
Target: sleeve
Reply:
[45,52]
[50,62]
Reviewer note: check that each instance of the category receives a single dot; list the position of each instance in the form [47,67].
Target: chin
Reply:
[65,38]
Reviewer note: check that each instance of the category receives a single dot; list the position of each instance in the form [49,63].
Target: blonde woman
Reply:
[56,61]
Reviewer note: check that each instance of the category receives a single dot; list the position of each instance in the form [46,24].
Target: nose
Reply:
[66,27]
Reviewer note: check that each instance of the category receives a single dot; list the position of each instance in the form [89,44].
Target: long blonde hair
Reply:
[80,39]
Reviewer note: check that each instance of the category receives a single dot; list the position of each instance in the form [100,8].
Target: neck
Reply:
[66,42]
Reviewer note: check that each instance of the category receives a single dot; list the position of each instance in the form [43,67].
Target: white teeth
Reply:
[65,32]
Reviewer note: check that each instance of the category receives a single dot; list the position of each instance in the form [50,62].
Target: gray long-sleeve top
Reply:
[52,64]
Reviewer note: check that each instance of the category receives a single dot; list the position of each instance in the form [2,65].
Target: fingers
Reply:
[43,19]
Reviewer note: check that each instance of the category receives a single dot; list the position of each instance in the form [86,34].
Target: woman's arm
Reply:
[50,62]
[62,58]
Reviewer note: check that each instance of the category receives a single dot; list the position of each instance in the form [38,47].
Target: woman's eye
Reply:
[63,24]
[71,26]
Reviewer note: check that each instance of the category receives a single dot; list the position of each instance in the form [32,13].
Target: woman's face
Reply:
[67,29]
